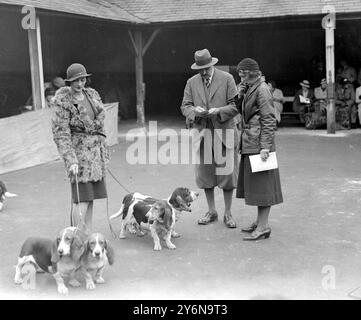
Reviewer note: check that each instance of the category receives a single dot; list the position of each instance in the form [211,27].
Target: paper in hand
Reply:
[258,165]
[304,100]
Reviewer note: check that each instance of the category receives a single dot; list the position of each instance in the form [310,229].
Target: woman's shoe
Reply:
[250,228]
[257,235]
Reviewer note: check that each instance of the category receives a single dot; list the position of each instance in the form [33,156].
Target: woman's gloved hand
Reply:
[264,154]
[74,169]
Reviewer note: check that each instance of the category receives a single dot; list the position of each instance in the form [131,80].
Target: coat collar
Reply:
[253,87]
[215,83]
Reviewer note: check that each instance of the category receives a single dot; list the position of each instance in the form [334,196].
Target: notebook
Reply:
[258,165]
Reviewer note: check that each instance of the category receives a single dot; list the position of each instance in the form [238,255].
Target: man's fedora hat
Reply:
[203,59]
[305,83]
[76,71]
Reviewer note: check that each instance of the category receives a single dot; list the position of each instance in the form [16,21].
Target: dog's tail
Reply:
[116,215]
[10,195]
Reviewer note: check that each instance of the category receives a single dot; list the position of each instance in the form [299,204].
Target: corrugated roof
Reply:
[167,11]
[190,10]
[101,9]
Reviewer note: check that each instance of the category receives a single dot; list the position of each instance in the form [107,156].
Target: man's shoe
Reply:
[208,218]
[229,222]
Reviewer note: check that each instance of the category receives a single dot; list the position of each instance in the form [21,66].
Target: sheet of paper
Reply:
[258,165]
[304,100]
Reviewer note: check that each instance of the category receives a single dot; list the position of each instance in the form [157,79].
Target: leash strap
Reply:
[78,201]
[109,223]
[118,181]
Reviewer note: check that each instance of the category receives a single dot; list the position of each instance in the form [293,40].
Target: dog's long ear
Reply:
[182,204]
[109,252]
[77,247]
[54,252]
[168,217]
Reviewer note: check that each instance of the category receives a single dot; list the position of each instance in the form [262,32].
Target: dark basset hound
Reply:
[138,209]
[4,194]
[60,257]
[98,254]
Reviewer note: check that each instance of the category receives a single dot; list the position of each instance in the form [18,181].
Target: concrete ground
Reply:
[314,251]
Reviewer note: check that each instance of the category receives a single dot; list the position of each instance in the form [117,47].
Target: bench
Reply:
[286,111]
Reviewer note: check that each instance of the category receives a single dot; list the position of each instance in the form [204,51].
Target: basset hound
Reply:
[60,257]
[98,254]
[138,209]
[4,194]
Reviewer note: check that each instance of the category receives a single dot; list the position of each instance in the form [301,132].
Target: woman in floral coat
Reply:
[78,131]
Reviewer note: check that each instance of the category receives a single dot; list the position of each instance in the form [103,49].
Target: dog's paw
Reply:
[90,285]
[122,236]
[171,246]
[100,280]
[62,289]
[141,233]
[132,229]
[176,234]
[18,280]
[74,283]
[157,247]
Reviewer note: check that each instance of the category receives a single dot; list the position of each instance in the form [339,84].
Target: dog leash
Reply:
[126,190]
[118,181]
[78,201]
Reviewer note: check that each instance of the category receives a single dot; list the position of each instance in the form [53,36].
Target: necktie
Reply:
[208,82]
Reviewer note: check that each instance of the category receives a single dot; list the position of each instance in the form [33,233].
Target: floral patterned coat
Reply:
[80,140]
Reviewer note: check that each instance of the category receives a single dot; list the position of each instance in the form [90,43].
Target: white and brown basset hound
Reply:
[138,209]
[60,257]
[4,194]
[98,254]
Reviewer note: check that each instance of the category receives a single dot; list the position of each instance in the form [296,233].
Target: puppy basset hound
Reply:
[4,194]
[60,257]
[98,254]
[138,209]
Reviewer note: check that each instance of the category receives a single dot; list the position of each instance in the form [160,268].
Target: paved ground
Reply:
[316,229]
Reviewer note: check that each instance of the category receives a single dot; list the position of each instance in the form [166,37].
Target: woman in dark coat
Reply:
[78,131]
[261,189]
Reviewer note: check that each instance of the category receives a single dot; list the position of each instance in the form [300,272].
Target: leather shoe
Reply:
[250,228]
[208,218]
[257,235]
[229,222]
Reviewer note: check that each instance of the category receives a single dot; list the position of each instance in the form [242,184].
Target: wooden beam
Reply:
[140,85]
[150,40]
[36,66]
[133,42]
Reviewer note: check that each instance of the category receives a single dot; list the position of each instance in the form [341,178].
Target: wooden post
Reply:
[140,85]
[36,66]
[140,50]
[329,24]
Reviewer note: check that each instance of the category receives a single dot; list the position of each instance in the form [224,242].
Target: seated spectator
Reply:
[303,100]
[317,118]
[345,104]
[55,84]
[278,99]
[347,72]
[358,101]
[49,95]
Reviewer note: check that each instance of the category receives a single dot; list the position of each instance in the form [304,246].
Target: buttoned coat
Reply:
[258,119]
[220,95]
[79,139]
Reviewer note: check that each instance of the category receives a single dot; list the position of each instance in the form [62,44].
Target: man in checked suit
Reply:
[208,105]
